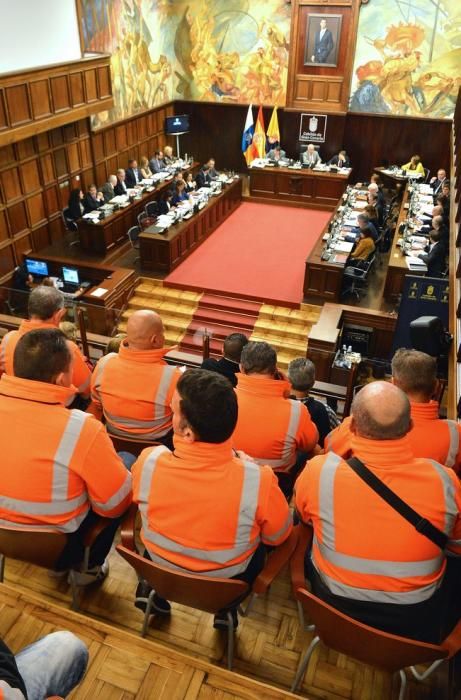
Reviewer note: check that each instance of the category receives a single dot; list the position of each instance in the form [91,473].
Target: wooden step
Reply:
[236,321]
[232,304]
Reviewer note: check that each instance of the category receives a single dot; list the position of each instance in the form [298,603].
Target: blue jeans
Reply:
[127,458]
[52,666]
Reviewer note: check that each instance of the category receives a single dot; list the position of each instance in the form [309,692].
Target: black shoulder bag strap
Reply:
[422,525]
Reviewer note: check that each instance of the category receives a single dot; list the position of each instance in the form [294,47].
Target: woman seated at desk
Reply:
[146,172]
[414,165]
[180,194]
[164,203]
[190,183]
[370,210]
[75,209]
[364,248]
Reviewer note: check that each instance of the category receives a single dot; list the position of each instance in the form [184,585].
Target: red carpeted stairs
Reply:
[219,316]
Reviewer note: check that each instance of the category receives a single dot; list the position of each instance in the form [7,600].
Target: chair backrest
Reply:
[427,174]
[133,234]
[36,546]
[69,224]
[151,209]
[141,218]
[125,444]
[199,592]
[367,644]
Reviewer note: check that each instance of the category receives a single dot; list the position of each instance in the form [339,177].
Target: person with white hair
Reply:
[310,156]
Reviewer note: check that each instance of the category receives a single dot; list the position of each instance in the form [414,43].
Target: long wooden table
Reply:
[165,251]
[309,188]
[100,311]
[105,235]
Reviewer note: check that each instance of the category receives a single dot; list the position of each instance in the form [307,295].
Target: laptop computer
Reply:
[71,279]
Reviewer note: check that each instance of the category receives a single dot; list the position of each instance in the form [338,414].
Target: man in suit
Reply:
[437,182]
[213,173]
[229,364]
[341,160]
[120,188]
[132,174]
[323,44]
[156,163]
[93,199]
[276,154]
[435,257]
[108,188]
[203,178]
[311,156]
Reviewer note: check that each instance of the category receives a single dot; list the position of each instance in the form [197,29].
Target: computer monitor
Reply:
[37,267]
[70,276]
[178,124]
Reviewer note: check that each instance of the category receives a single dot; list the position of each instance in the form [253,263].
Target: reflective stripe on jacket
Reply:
[363,549]
[204,510]
[134,389]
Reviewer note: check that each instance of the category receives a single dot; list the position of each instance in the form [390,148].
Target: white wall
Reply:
[37,33]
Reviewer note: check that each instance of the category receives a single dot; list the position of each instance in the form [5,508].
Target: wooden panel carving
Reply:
[30,177]
[11,186]
[36,209]
[17,218]
[313,85]
[38,100]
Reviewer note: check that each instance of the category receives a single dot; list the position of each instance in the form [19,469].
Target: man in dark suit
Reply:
[435,257]
[108,188]
[203,178]
[120,188]
[93,199]
[133,176]
[437,182]
[156,163]
[341,160]
[213,173]
[323,44]
[229,364]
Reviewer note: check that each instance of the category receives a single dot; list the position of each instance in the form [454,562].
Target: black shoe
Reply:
[221,621]
[159,605]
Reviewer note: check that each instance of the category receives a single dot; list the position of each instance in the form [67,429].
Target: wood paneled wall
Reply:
[43,98]
[370,140]
[37,174]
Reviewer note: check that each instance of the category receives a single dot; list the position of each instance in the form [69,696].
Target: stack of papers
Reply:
[414,263]
[343,247]
[119,199]
[92,215]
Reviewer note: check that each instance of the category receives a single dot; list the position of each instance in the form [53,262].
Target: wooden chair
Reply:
[126,444]
[43,547]
[205,593]
[361,642]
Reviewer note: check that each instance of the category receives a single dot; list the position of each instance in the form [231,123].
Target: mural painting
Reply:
[408,58]
[232,51]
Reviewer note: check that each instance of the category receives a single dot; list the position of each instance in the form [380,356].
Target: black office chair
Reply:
[357,277]
[133,235]
[151,209]
[70,226]
[427,174]
[141,217]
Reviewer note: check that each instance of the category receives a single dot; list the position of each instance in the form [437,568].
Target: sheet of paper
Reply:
[99,292]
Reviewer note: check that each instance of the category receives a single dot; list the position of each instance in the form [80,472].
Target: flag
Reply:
[259,138]
[247,136]
[273,131]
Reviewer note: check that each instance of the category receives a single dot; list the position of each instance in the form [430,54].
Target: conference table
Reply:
[316,189]
[106,235]
[165,251]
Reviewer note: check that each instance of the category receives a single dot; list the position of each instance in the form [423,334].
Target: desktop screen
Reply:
[70,275]
[37,267]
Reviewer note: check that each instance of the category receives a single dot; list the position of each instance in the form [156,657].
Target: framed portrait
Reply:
[323,34]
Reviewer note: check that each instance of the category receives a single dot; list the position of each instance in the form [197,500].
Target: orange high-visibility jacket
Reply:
[56,463]
[429,436]
[134,389]
[204,510]
[270,427]
[81,376]
[363,549]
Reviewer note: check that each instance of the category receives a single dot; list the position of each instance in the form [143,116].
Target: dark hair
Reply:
[205,167]
[44,301]
[233,346]
[209,404]
[74,198]
[41,355]
[301,373]
[157,153]
[258,358]
[132,160]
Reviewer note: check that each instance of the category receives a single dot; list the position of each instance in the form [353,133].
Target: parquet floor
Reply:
[268,643]
[122,666]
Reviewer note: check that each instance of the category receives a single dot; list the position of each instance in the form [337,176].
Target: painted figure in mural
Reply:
[323,43]
[367,97]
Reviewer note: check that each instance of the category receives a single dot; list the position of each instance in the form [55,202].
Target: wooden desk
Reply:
[309,188]
[322,278]
[101,312]
[110,233]
[397,268]
[165,251]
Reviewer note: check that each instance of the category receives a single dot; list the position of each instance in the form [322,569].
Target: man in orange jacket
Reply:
[367,560]
[69,473]
[271,427]
[416,374]
[46,310]
[205,509]
[134,387]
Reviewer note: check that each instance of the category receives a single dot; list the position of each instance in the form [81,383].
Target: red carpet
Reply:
[259,252]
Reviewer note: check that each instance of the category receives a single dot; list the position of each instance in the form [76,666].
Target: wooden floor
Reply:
[268,644]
